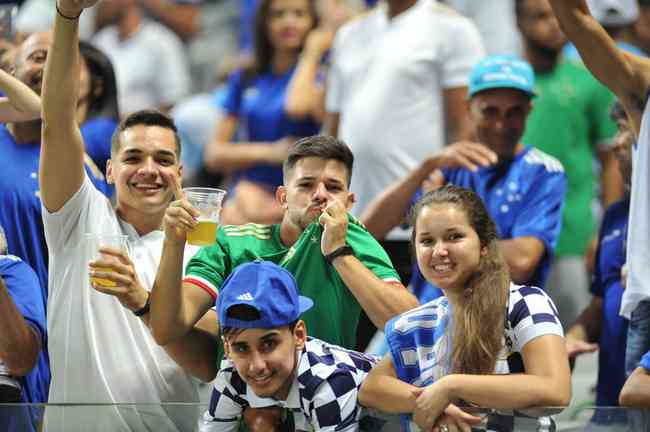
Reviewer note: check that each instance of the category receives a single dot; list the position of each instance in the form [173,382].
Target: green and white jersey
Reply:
[335,314]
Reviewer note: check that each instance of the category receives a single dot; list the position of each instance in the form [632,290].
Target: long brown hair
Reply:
[478,322]
[262,48]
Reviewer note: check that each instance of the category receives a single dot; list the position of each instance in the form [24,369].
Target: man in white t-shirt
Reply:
[628,77]
[151,67]
[398,82]
[101,350]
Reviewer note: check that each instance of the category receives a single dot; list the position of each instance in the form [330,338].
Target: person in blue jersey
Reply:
[24,369]
[486,342]
[599,326]
[20,202]
[522,187]
[270,104]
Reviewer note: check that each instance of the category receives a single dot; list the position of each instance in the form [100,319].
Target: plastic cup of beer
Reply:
[208,203]
[114,241]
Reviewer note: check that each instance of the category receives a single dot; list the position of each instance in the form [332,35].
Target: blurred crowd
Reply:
[488,95]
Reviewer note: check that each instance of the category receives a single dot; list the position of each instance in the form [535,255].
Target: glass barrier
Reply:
[157,418]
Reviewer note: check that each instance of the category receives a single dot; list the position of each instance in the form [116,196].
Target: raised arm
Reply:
[62,147]
[20,103]
[19,343]
[380,299]
[176,307]
[305,95]
[627,75]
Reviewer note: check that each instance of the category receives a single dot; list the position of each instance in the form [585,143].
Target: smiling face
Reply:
[288,23]
[141,170]
[448,249]
[266,358]
[310,185]
[499,117]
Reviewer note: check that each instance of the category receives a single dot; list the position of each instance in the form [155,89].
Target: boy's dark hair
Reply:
[244,312]
[147,118]
[320,146]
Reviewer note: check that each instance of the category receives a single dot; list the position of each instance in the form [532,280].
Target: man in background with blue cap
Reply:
[522,187]
[271,361]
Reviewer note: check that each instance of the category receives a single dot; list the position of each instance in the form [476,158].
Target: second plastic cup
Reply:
[208,202]
[114,241]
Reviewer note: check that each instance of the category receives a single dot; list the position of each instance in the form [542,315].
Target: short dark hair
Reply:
[320,146]
[244,312]
[147,118]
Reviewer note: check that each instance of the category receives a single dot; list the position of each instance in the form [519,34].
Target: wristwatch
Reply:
[144,309]
[342,251]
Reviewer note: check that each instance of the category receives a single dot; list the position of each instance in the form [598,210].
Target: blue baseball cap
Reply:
[268,288]
[501,71]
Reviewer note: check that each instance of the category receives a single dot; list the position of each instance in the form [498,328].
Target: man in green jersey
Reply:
[335,260]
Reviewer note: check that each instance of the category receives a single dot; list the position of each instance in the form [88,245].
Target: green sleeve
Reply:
[369,251]
[210,264]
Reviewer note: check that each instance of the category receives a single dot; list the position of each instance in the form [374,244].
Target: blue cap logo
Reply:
[502,72]
[268,288]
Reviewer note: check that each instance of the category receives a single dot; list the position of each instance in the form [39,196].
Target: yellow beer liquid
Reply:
[101,281]
[204,234]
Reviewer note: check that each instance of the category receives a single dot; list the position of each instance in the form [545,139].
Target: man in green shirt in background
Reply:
[570,121]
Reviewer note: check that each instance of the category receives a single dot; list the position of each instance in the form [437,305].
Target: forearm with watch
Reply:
[381,300]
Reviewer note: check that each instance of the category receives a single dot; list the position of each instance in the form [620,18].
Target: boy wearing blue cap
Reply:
[522,187]
[271,361]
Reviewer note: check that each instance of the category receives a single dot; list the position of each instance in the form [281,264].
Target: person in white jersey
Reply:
[628,76]
[100,351]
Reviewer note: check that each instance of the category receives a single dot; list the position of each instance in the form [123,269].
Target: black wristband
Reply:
[144,309]
[342,251]
[65,16]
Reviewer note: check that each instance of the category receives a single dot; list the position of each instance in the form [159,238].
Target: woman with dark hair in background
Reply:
[269,104]
[487,342]
[98,111]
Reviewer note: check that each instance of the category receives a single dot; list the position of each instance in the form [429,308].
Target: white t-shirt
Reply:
[386,82]
[99,351]
[150,66]
[638,250]
[496,22]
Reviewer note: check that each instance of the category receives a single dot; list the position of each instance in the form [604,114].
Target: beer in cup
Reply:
[114,241]
[207,201]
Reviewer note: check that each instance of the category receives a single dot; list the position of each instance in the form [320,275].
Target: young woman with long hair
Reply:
[269,104]
[487,342]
